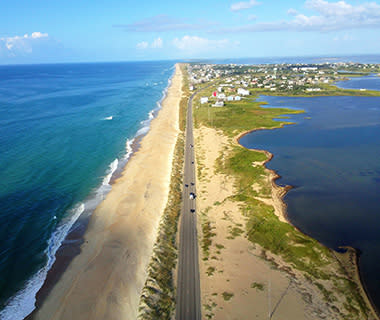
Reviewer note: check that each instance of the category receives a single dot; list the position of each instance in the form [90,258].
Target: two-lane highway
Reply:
[188,289]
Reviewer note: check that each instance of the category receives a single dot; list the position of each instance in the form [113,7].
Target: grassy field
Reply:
[326,90]
[238,117]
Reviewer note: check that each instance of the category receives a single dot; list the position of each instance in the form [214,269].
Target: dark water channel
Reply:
[332,158]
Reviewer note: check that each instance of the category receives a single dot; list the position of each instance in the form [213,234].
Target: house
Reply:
[230,98]
[237,98]
[243,92]
[204,100]
[191,88]
[221,96]
[218,104]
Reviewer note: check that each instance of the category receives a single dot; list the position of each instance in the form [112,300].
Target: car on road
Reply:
[186,185]
[192,210]
[192,195]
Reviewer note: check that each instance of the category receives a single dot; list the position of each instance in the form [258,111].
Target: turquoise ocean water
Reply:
[64,130]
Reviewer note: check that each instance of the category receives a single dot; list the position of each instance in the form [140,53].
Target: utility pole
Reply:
[269,300]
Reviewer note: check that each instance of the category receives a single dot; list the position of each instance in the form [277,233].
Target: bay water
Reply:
[331,156]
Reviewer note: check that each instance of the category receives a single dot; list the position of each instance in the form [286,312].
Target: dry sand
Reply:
[237,280]
[105,280]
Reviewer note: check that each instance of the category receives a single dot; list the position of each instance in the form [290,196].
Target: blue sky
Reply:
[38,31]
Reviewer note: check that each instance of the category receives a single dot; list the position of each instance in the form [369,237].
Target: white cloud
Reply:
[242,5]
[36,35]
[21,45]
[157,43]
[142,45]
[330,16]
[198,44]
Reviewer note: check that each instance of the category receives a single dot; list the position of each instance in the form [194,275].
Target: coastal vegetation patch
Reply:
[301,253]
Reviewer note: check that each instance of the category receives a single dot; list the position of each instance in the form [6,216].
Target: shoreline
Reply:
[71,245]
[67,281]
[278,194]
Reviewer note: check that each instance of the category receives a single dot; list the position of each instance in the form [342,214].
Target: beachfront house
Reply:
[219,103]
[243,92]
[204,100]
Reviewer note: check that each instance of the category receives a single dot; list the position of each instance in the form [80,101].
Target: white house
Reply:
[204,100]
[237,98]
[221,96]
[219,104]
[243,92]
[230,98]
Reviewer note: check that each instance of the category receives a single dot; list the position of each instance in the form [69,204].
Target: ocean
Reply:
[65,130]
[331,158]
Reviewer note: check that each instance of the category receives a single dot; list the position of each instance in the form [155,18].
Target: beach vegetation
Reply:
[258,286]
[210,271]
[227,295]
[207,235]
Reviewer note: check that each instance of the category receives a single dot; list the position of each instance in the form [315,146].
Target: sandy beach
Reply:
[240,280]
[105,280]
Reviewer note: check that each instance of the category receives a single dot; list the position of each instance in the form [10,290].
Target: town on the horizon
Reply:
[234,81]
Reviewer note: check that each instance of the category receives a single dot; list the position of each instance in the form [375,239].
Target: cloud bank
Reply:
[22,45]
[330,16]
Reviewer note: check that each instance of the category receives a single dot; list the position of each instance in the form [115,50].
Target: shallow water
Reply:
[333,161]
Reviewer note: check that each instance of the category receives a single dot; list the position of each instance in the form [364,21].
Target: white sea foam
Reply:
[129,148]
[22,304]
[108,118]
[112,168]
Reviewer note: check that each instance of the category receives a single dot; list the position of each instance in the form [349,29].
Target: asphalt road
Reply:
[188,290]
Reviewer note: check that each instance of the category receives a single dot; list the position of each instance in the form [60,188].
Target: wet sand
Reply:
[105,280]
